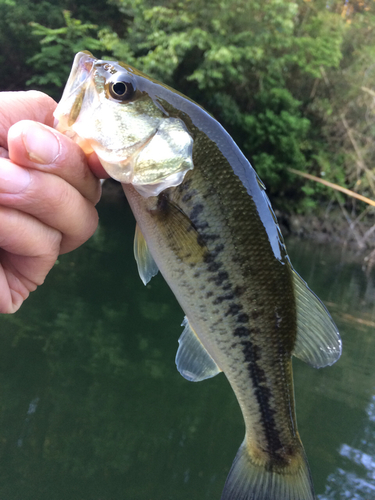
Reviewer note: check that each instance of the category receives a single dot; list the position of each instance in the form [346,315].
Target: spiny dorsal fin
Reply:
[147,267]
[192,359]
[318,340]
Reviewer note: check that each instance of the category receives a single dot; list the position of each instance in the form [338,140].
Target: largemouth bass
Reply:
[204,220]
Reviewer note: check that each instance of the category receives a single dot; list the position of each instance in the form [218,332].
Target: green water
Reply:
[93,408]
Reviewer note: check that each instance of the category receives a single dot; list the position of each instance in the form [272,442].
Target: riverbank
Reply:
[334,226]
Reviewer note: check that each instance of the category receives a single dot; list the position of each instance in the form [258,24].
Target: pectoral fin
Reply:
[192,359]
[318,340]
[183,238]
[147,267]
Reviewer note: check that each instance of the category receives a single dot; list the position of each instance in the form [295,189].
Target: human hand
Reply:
[47,195]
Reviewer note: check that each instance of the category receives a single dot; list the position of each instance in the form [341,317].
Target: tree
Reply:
[291,81]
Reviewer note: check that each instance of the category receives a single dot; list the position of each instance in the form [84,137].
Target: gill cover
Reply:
[136,141]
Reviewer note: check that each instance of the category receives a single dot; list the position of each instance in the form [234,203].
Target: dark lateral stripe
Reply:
[194,214]
[242,318]
[233,310]
[221,298]
[220,277]
[262,394]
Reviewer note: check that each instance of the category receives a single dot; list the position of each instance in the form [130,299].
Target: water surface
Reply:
[93,408]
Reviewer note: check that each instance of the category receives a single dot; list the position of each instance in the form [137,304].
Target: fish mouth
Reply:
[82,67]
[70,103]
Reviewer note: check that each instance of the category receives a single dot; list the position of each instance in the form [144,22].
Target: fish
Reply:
[205,222]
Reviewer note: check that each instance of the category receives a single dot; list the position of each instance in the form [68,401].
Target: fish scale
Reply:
[219,281]
[204,220]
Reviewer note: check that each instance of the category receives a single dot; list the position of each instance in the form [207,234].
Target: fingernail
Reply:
[41,144]
[13,179]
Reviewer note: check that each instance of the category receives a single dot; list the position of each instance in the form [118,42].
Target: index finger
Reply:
[29,105]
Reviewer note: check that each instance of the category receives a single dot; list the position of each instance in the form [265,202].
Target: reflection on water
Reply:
[356,480]
[345,464]
[27,424]
[93,408]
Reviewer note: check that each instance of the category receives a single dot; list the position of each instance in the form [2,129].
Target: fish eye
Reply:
[121,90]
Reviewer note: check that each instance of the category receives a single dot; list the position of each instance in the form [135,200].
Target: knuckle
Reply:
[82,231]
[45,101]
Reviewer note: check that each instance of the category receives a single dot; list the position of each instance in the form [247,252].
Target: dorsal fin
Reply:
[318,340]
[192,359]
[147,267]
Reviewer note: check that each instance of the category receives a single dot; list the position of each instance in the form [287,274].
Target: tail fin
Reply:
[248,481]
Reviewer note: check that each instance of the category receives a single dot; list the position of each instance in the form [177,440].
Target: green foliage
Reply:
[320,43]
[285,78]
[54,60]
[252,64]
[275,133]
[17,43]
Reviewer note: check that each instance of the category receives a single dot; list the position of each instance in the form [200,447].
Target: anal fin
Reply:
[192,359]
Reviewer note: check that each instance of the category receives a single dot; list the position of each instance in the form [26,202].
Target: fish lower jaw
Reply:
[119,171]
[154,189]
[124,172]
